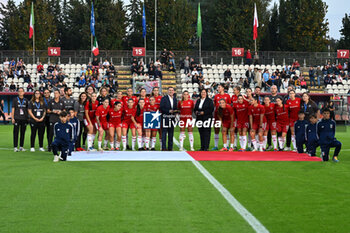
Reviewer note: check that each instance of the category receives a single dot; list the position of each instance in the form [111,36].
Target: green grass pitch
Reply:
[38,195]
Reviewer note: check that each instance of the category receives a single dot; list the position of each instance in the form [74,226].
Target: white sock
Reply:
[117,144]
[147,142]
[228,140]
[240,141]
[105,143]
[225,145]
[190,137]
[181,139]
[111,144]
[274,141]
[235,142]
[124,142]
[216,139]
[264,142]
[280,142]
[294,142]
[99,144]
[244,140]
[261,145]
[153,143]
[231,145]
[255,145]
[139,141]
[93,139]
[133,142]
[143,141]
[89,140]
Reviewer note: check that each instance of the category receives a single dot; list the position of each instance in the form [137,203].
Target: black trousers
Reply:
[170,133]
[51,133]
[47,125]
[81,135]
[289,138]
[204,134]
[37,127]
[20,127]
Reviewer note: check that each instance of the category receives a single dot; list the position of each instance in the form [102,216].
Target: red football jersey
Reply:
[242,112]
[139,118]
[186,108]
[102,113]
[152,108]
[282,114]
[126,98]
[218,97]
[92,111]
[294,108]
[115,100]
[128,113]
[256,112]
[234,99]
[146,101]
[270,113]
[115,117]
[226,112]
[158,99]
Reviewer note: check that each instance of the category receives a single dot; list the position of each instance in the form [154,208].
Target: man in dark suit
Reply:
[168,108]
[204,109]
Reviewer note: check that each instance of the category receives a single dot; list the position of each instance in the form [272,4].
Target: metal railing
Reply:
[124,57]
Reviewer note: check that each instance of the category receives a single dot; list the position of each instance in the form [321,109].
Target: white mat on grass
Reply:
[130,156]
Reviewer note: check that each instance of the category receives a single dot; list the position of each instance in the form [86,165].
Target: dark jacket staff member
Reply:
[56,106]
[168,108]
[308,106]
[203,110]
[37,112]
[80,115]
[19,116]
[47,100]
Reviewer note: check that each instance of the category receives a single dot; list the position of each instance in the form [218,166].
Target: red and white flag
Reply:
[31,23]
[255,24]
[95,49]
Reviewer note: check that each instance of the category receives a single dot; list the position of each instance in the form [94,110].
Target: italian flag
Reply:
[95,50]
[31,24]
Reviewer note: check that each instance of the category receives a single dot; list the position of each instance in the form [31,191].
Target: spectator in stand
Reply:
[187,65]
[134,69]
[227,74]
[172,59]
[82,81]
[266,79]
[256,58]
[12,87]
[158,74]
[193,64]
[200,78]
[194,72]
[327,80]
[258,77]
[171,67]
[157,63]
[6,63]
[95,64]
[339,79]
[250,75]
[334,79]
[50,68]
[319,75]
[12,64]
[199,69]
[246,83]
[82,71]
[141,70]
[30,87]
[151,71]
[296,65]
[303,83]
[40,68]
[285,83]
[105,64]
[312,74]
[248,57]
[164,57]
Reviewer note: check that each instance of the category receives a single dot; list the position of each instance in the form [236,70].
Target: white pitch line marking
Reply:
[252,221]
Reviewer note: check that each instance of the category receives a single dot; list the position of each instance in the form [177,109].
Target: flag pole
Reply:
[33,45]
[144,39]
[155,30]
[255,45]
[91,45]
[200,50]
